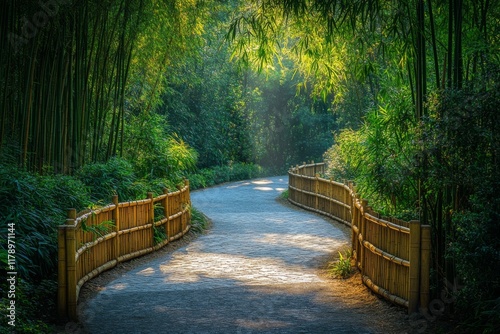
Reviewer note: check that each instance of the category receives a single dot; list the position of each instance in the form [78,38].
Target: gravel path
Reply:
[256,271]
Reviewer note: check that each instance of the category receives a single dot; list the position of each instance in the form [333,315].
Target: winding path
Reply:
[254,272]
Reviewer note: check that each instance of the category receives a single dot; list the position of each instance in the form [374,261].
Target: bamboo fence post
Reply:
[355,222]
[151,218]
[116,218]
[414,282]
[298,185]
[345,201]
[187,196]
[425,263]
[330,195]
[71,263]
[62,292]
[362,233]
[316,190]
[354,235]
[165,213]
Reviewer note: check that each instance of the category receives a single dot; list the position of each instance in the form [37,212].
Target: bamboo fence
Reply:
[392,255]
[97,240]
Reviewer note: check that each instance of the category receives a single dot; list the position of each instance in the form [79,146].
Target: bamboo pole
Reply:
[187,196]
[316,191]
[71,265]
[355,227]
[62,292]
[414,279]
[362,236]
[151,218]
[116,219]
[425,268]
[165,213]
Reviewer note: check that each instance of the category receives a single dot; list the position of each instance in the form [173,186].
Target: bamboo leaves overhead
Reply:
[427,36]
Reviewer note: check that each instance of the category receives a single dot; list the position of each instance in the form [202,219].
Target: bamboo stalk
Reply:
[116,219]
[414,279]
[425,268]
[62,292]
[71,264]
[151,217]
[362,236]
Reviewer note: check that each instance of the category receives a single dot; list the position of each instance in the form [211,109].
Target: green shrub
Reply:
[157,185]
[285,194]
[33,305]
[243,171]
[37,205]
[197,181]
[379,157]
[113,177]
[159,234]
[199,222]
[342,267]
[208,177]
[476,254]
[154,151]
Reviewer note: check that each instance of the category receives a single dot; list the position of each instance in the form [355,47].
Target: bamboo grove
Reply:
[66,73]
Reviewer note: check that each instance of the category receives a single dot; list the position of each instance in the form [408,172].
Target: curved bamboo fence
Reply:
[93,241]
[392,255]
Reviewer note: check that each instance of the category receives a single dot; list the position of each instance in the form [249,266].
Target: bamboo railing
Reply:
[392,255]
[97,240]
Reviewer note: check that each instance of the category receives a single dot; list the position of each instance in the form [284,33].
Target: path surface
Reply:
[254,272]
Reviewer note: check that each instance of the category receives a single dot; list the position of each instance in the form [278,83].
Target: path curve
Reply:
[254,272]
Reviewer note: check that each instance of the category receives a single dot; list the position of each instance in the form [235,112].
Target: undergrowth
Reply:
[199,222]
[342,267]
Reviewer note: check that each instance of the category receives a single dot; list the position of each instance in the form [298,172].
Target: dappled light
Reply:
[262,182]
[119,286]
[147,272]
[264,188]
[314,243]
[239,269]
[237,185]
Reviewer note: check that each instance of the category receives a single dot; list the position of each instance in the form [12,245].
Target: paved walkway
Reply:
[254,272]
